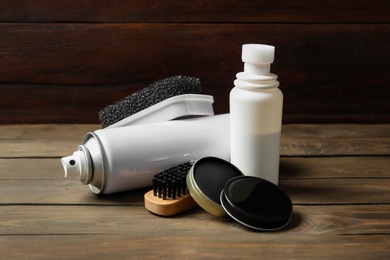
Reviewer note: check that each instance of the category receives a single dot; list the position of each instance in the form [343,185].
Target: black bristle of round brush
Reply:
[149,96]
[171,183]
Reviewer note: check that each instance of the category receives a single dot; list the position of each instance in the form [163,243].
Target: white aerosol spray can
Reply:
[126,158]
[256,115]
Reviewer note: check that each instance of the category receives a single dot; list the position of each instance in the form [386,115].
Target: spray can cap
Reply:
[258,53]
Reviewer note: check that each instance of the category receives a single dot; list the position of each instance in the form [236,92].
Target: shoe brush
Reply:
[170,195]
[153,94]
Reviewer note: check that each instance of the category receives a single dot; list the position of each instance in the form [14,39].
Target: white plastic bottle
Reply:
[256,105]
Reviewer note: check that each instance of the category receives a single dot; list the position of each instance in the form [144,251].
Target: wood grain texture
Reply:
[169,206]
[341,205]
[325,132]
[192,246]
[290,168]
[173,11]
[342,180]
[66,73]
[333,181]
[326,231]
[63,61]
[110,54]
[307,220]
[302,192]
[297,140]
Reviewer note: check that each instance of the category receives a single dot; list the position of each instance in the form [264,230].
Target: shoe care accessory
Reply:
[222,189]
[147,97]
[178,107]
[206,179]
[170,195]
[256,115]
[105,163]
[125,158]
[256,203]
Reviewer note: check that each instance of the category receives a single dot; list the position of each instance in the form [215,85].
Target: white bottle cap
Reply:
[257,60]
[258,53]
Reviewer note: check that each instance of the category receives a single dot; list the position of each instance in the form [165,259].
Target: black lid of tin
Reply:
[256,203]
[206,179]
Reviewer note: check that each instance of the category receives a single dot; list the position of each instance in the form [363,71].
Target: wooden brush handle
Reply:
[168,207]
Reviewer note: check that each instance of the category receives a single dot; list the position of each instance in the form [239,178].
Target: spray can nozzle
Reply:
[78,164]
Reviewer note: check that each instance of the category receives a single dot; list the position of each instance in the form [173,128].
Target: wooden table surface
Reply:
[338,177]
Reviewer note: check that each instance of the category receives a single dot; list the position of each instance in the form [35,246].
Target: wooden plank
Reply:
[334,140]
[41,140]
[68,132]
[302,192]
[114,60]
[110,54]
[217,246]
[31,169]
[343,220]
[347,147]
[341,204]
[350,132]
[290,168]
[334,167]
[284,11]
[66,191]
[297,140]
[122,232]
[76,132]
[337,191]
[289,147]
[38,148]
[307,180]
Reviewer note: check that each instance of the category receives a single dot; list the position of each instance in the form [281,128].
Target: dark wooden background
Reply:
[63,61]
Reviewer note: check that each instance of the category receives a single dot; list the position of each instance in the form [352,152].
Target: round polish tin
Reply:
[206,180]
[256,203]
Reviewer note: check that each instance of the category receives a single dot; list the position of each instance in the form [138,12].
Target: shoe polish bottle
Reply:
[256,105]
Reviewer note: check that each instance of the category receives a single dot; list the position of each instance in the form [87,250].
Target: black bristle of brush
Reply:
[147,97]
[171,183]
